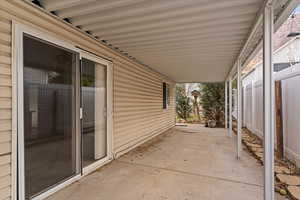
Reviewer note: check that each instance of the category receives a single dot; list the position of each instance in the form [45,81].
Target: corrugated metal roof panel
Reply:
[191,40]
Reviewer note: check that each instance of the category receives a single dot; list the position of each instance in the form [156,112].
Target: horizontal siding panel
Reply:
[5,59]
[135,100]
[122,73]
[5,181]
[126,144]
[5,91]
[5,148]
[131,115]
[137,132]
[136,90]
[129,92]
[5,114]
[5,159]
[4,170]
[139,70]
[121,110]
[143,110]
[125,126]
[5,37]
[124,95]
[5,125]
[5,80]
[5,48]
[4,70]
[5,103]
[140,124]
[133,88]
[136,119]
[129,121]
[5,137]
[5,26]
[5,193]
[137,82]
[119,107]
[137,105]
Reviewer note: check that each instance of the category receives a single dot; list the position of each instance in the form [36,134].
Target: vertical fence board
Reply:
[279,126]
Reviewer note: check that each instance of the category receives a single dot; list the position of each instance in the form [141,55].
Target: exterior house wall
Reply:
[289,52]
[137,90]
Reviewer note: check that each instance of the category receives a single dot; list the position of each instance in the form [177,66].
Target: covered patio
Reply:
[187,162]
[146,47]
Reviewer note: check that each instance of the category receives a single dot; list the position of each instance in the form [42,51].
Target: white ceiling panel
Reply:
[187,40]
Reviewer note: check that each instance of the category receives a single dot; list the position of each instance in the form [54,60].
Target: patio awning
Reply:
[188,41]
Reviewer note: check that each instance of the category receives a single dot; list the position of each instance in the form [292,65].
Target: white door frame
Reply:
[109,118]
[18,184]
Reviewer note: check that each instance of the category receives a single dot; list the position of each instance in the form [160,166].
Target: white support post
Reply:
[226,104]
[268,104]
[239,110]
[230,107]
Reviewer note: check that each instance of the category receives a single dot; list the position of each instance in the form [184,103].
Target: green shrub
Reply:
[213,102]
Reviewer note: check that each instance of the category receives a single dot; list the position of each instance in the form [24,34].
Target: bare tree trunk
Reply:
[198,112]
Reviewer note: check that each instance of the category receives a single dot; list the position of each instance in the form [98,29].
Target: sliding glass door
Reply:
[64,109]
[94,106]
[49,85]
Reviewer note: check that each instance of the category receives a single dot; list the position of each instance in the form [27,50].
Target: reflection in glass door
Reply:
[49,117]
[94,105]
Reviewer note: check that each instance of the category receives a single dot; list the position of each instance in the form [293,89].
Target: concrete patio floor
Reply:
[185,163]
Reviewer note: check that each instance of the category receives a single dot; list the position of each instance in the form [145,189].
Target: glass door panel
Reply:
[49,114]
[94,105]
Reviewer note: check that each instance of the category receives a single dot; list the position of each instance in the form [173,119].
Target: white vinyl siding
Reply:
[5,108]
